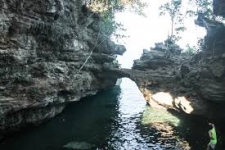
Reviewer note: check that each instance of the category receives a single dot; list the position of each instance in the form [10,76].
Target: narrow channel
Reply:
[116,119]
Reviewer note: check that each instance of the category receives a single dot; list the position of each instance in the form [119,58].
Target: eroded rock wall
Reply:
[51,52]
[193,84]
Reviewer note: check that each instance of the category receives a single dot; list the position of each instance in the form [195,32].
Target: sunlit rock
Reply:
[163,98]
[183,104]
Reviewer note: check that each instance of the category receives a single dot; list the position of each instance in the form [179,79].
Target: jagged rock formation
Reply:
[194,84]
[214,41]
[51,53]
[54,52]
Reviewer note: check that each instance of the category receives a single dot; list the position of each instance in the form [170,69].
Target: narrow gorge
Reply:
[56,52]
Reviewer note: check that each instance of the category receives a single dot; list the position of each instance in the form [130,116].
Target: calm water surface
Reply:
[117,119]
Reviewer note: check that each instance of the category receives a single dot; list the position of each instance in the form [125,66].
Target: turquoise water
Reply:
[116,119]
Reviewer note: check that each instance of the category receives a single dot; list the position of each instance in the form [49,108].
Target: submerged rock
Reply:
[78,145]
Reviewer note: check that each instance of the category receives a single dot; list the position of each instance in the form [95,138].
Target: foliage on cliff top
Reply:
[107,9]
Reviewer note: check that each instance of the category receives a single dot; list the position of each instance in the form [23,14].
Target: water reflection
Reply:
[117,119]
[86,121]
[125,134]
[137,126]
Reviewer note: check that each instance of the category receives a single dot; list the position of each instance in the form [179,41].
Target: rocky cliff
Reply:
[191,83]
[51,52]
[194,84]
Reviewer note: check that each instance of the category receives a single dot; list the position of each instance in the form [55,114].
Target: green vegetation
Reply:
[173,9]
[190,50]
[108,24]
[177,10]
[107,9]
[202,6]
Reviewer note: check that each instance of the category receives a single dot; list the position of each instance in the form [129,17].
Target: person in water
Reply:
[212,136]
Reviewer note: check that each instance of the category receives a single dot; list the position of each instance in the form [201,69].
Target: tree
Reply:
[203,7]
[174,10]
[116,5]
[190,50]
[107,8]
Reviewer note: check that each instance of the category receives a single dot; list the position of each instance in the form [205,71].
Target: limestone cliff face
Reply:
[51,52]
[194,84]
[190,83]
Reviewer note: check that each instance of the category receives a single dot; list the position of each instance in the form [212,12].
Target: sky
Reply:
[143,32]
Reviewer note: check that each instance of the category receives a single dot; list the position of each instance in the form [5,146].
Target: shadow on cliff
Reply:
[194,129]
[191,132]
[85,121]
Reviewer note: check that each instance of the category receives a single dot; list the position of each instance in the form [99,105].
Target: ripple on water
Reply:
[118,119]
[140,126]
